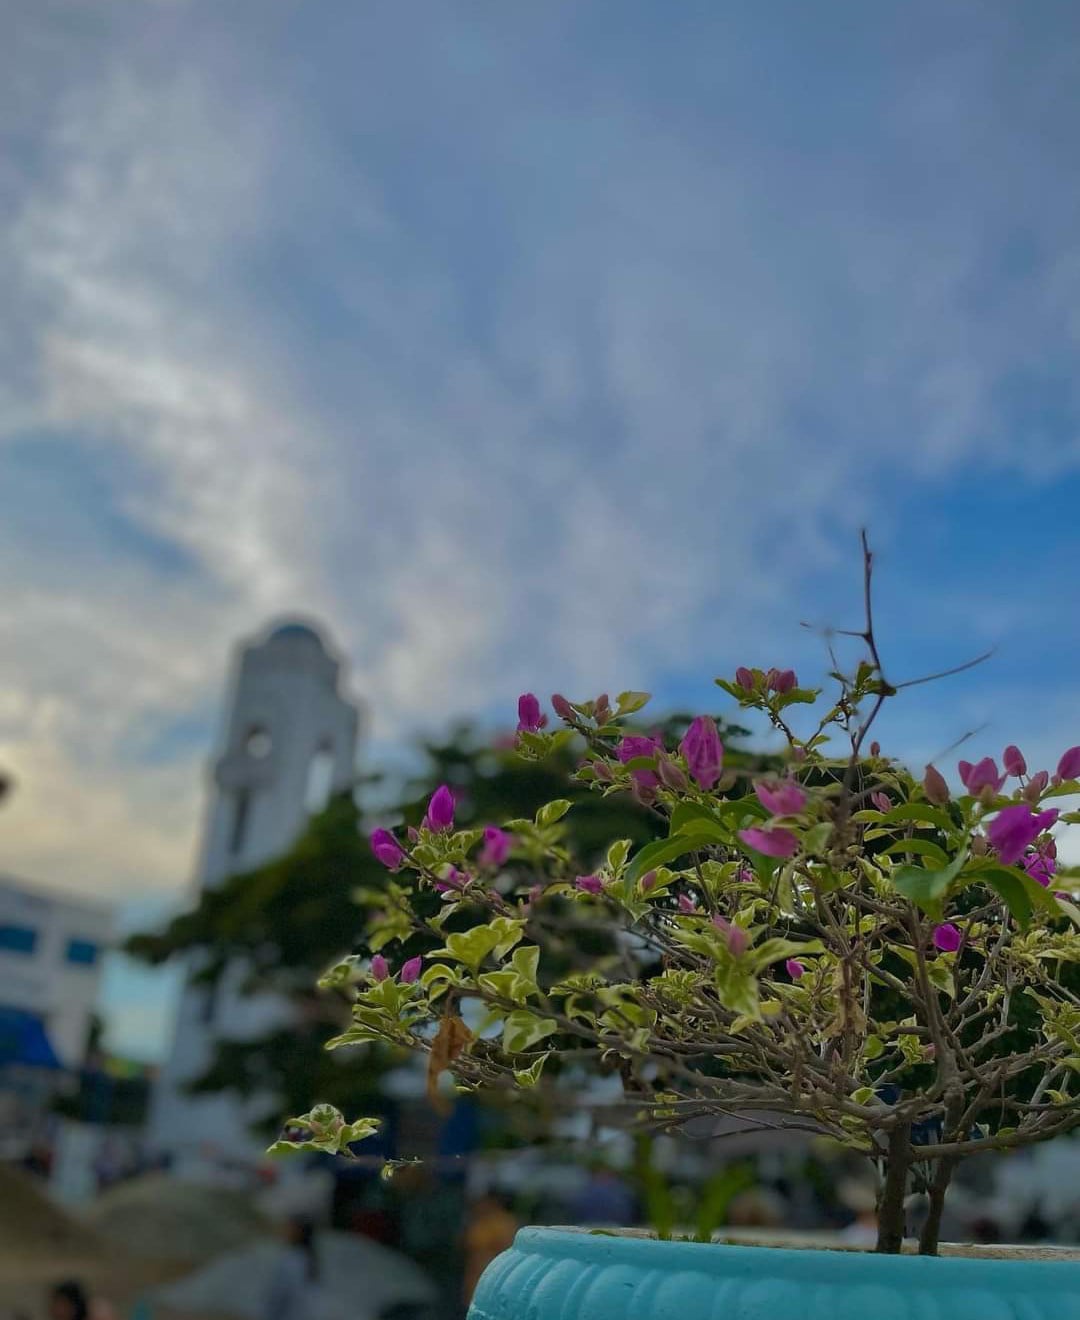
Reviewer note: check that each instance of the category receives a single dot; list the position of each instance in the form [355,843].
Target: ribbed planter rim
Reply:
[810,1263]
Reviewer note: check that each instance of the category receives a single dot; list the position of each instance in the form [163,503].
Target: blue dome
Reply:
[300,631]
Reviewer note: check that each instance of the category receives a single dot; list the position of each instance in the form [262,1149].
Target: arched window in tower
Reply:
[320,778]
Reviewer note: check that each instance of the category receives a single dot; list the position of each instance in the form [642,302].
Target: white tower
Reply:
[289,742]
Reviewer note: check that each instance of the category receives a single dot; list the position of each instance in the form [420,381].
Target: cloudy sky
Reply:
[559,345]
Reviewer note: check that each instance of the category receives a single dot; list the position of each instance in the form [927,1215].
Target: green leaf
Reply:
[528,1077]
[920,812]
[873,1048]
[471,947]
[926,888]
[617,855]
[667,850]
[687,816]
[522,1029]
[629,702]
[553,811]
[772,951]
[816,840]
[863,1095]
[920,847]
[1021,894]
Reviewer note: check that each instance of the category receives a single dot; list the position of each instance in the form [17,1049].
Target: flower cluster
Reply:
[818,933]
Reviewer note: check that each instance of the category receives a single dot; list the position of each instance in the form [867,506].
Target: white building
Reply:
[289,741]
[51,950]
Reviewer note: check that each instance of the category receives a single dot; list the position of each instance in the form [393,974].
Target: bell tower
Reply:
[289,742]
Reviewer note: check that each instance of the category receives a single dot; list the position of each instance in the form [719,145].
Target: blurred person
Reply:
[605,1199]
[489,1231]
[757,1207]
[293,1289]
[860,1198]
[68,1301]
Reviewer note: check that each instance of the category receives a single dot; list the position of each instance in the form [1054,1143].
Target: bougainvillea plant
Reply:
[839,945]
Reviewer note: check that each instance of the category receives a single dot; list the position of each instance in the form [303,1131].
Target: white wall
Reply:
[46,981]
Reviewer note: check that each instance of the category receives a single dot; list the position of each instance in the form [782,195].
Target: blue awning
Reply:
[23,1040]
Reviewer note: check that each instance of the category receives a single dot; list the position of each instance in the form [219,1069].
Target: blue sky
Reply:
[529,346]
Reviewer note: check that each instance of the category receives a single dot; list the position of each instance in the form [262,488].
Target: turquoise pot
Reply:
[559,1274]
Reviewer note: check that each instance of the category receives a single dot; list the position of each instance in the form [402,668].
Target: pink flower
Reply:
[1012,758]
[440,811]
[795,969]
[744,876]
[1037,784]
[744,678]
[704,751]
[1015,828]
[781,798]
[387,849]
[410,971]
[687,904]
[773,843]
[946,937]
[781,680]
[497,845]
[648,881]
[530,718]
[1069,765]
[982,775]
[590,884]
[1041,863]
[935,787]
[736,938]
[380,968]
[631,749]
[881,800]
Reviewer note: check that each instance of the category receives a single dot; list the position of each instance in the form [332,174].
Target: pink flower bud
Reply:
[380,968]
[704,751]
[602,708]
[637,746]
[410,971]
[784,798]
[1037,785]
[881,800]
[602,771]
[1069,765]
[671,776]
[784,681]
[648,881]
[795,969]
[530,718]
[744,678]
[440,812]
[687,904]
[875,749]
[387,849]
[497,845]
[935,787]
[1012,758]
[737,938]
[562,707]
[590,884]
[946,937]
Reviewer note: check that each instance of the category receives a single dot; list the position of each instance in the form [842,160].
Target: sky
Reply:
[550,347]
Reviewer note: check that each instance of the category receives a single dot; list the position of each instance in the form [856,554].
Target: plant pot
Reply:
[571,1274]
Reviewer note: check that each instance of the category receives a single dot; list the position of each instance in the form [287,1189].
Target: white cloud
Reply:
[698,373]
